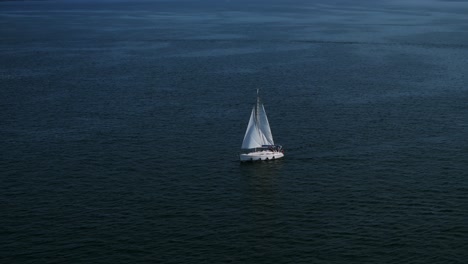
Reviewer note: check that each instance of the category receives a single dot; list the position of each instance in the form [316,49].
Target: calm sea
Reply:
[121,124]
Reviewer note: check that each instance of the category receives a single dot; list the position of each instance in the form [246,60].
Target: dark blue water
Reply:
[121,123]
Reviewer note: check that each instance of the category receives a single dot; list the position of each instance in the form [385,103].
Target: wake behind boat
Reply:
[258,141]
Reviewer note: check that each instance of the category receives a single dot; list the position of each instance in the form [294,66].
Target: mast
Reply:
[257,108]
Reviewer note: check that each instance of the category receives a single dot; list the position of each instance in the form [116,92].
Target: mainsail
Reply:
[258,131]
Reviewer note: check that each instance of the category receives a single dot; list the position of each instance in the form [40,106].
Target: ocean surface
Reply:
[121,123]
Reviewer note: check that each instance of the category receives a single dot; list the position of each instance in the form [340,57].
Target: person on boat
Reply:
[279,148]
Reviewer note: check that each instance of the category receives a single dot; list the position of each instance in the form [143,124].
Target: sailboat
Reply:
[258,141]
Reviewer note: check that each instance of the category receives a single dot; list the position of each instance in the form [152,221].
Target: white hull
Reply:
[261,155]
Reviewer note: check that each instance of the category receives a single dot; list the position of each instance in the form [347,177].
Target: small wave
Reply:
[319,41]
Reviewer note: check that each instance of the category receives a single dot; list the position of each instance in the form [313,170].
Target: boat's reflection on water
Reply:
[262,180]
[260,167]
[264,203]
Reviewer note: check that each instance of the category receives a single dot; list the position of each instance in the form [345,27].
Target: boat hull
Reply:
[261,155]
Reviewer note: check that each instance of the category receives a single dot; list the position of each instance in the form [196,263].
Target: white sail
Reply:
[264,126]
[258,131]
[252,138]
